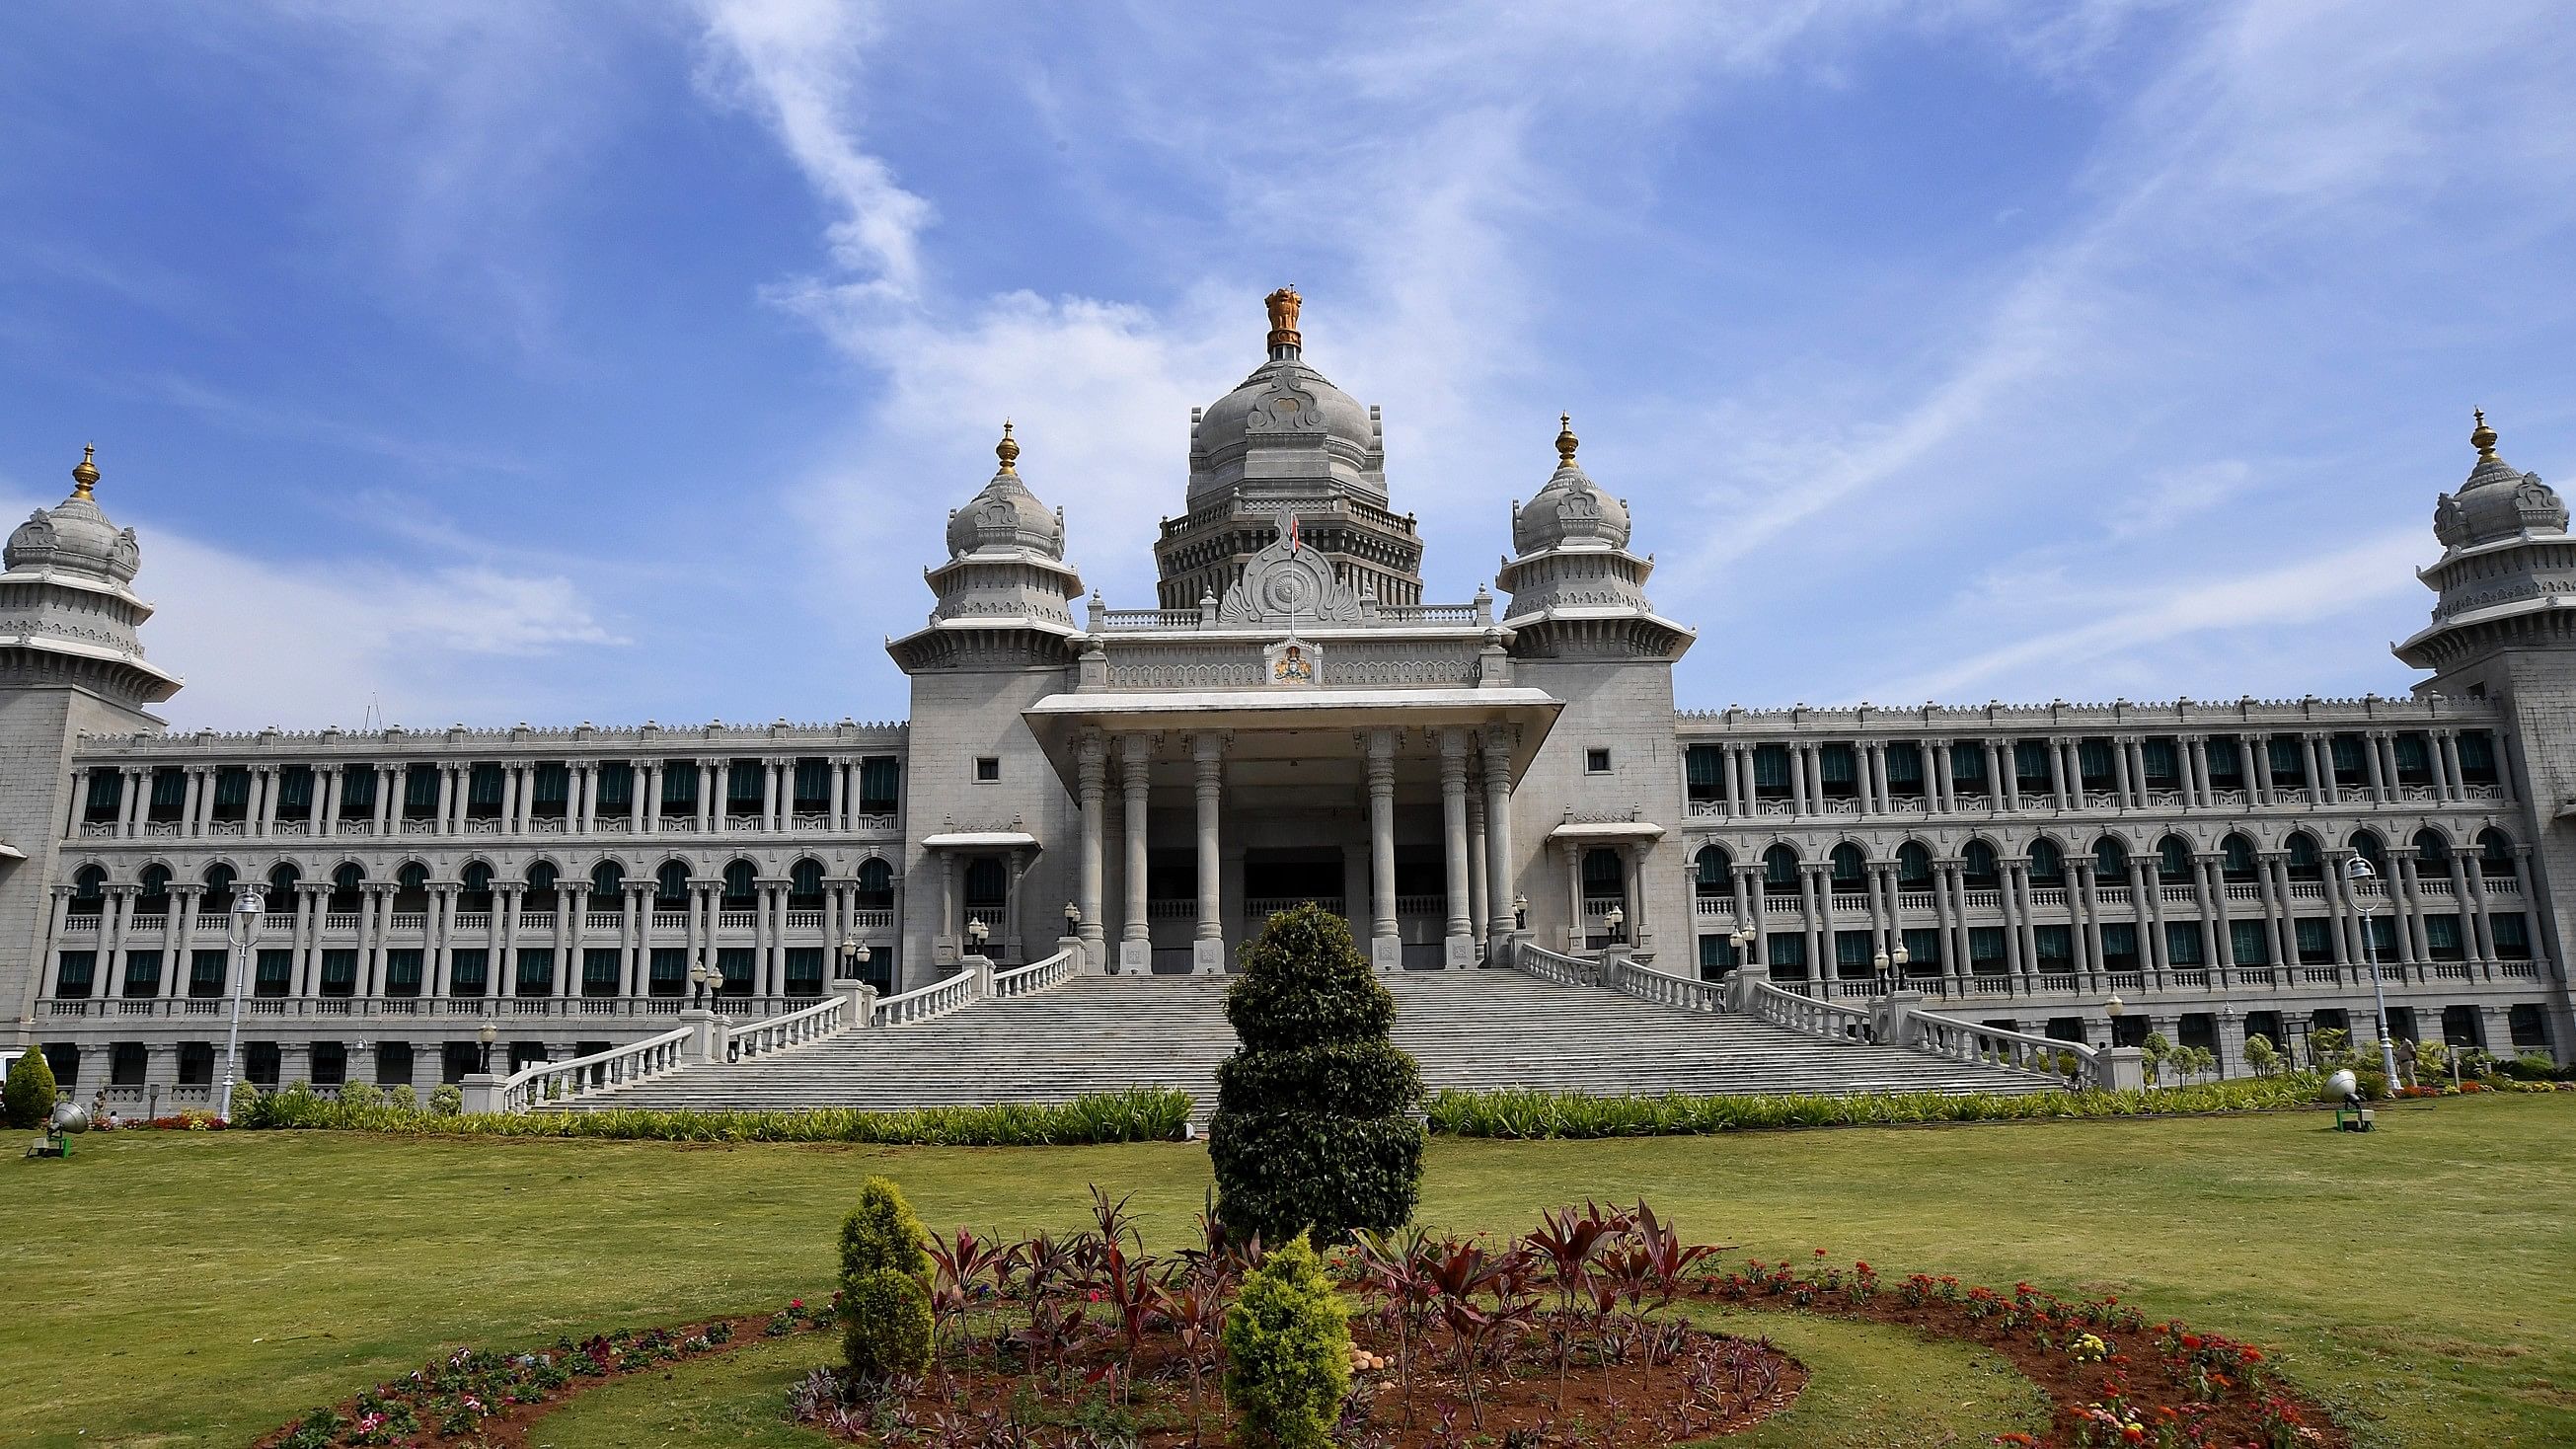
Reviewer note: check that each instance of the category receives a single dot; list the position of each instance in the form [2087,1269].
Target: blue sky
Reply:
[568,362]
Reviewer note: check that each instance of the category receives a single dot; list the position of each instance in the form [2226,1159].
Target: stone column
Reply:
[634,927]
[1802,792]
[1875,798]
[1946,920]
[1091,762]
[2129,784]
[2482,936]
[442,919]
[1207,946]
[2218,918]
[1936,768]
[1480,905]
[2446,765]
[1577,930]
[838,812]
[2146,911]
[310,901]
[1498,833]
[2382,782]
[2088,907]
[2001,787]
[1640,929]
[1817,881]
[2409,908]
[1135,944]
[2020,950]
[648,796]
[1458,950]
[2275,907]
[505,934]
[509,821]
[769,793]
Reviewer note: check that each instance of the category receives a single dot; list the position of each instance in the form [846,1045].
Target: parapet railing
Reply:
[1833,1019]
[1536,960]
[1623,973]
[794,1029]
[1968,1041]
[544,1082]
[1036,976]
[937,999]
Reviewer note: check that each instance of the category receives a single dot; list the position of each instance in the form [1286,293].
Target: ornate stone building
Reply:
[1290,723]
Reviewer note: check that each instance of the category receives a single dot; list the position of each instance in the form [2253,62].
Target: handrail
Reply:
[598,1072]
[1625,974]
[1036,976]
[1536,960]
[1968,1041]
[796,1028]
[936,999]
[1829,1019]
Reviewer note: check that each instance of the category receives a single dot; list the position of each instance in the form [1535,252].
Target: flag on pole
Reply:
[1293,545]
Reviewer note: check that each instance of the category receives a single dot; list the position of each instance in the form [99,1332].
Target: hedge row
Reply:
[1130,1116]
[1524,1112]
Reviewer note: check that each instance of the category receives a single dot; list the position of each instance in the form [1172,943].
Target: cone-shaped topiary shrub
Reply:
[28,1096]
[1312,1126]
[885,1287]
[1287,1352]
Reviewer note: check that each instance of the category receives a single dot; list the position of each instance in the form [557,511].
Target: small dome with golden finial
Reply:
[1006,515]
[74,535]
[1571,511]
[2498,501]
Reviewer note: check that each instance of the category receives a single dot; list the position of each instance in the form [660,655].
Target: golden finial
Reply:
[1007,450]
[2484,439]
[1283,305]
[1566,442]
[85,473]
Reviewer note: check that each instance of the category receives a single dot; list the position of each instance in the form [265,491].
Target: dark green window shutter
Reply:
[736,962]
[467,971]
[142,973]
[402,972]
[2182,943]
[600,970]
[74,974]
[536,971]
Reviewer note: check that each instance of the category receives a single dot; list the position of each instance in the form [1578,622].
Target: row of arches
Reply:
[1981,862]
[542,885]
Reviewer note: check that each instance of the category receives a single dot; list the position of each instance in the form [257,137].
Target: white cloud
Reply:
[326,639]
[2172,495]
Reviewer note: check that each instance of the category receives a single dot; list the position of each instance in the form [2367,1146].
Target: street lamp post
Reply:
[977,932]
[1887,959]
[239,926]
[2355,871]
[1617,921]
[699,976]
[1520,912]
[487,1035]
[849,958]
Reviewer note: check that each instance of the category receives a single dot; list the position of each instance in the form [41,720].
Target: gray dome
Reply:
[1572,511]
[1006,515]
[2497,501]
[74,536]
[1285,400]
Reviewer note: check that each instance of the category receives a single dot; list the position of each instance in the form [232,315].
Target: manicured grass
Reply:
[174,1288]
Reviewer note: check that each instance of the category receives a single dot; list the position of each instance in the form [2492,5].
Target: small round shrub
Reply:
[28,1095]
[1288,1352]
[885,1286]
[361,1094]
[447,1100]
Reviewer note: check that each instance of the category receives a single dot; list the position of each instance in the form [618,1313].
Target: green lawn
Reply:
[170,1288]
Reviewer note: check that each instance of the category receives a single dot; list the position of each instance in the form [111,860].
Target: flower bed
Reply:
[2112,1377]
[1577,1334]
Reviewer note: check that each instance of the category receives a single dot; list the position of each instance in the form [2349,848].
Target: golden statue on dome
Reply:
[1283,306]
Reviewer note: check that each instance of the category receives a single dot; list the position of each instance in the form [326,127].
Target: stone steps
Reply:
[1468,1029]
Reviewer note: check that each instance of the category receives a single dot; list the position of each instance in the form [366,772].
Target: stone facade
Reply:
[1291,723]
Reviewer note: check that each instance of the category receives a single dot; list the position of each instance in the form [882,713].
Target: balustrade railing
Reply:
[936,999]
[795,1028]
[1621,972]
[1968,1041]
[546,1082]
[1756,997]
[1036,976]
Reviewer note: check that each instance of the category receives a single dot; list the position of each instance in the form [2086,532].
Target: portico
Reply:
[1233,804]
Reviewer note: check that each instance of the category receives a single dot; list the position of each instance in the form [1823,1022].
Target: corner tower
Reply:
[1287,442]
[70,663]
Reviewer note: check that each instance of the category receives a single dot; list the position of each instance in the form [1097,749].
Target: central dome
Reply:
[1285,429]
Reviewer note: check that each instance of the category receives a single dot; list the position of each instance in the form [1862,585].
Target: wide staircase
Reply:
[1468,1029]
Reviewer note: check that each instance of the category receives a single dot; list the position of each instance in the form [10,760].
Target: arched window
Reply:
[1602,876]
[2306,861]
[474,887]
[154,898]
[2431,849]
[2495,853]
[1779,871]
[89,891]
[542,877]
[1980,869]
[1712,872]
[741,885]
[2236,858]
[876,885]
[2047,863]
[2110,860]
[607,883]
[1913,867]
[218,898]
[283,878]
[2366,844]
[347,884]
[1851,868]
[2173,859]
[411,888]
[805,885]
[671,886]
